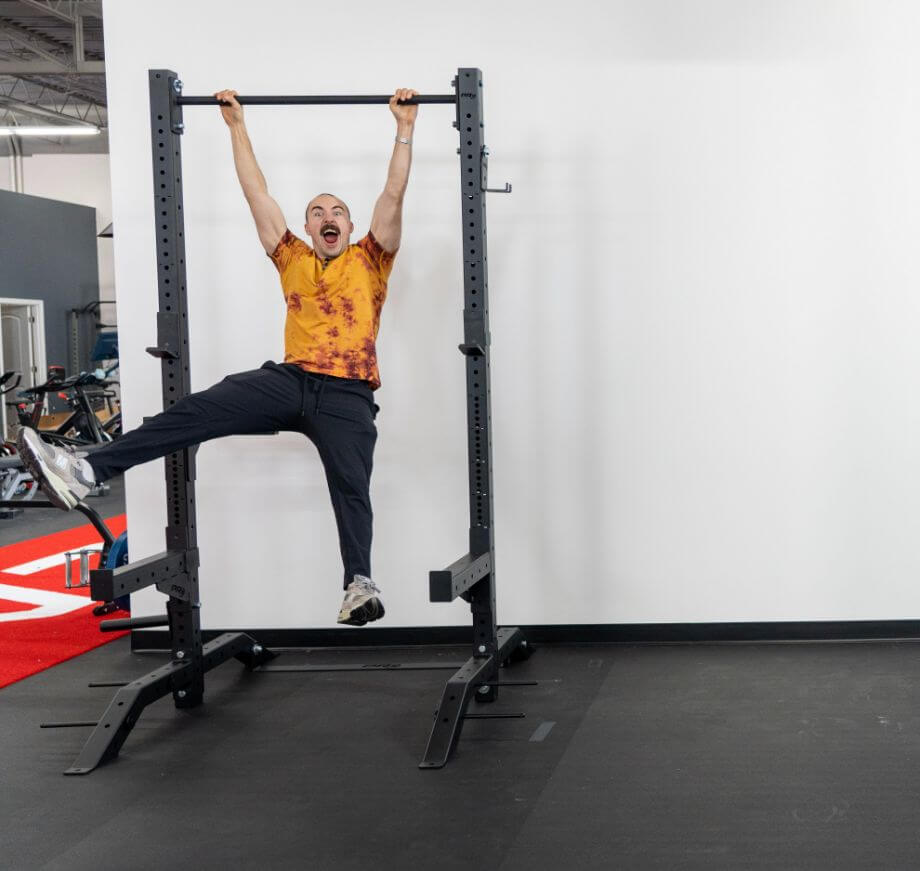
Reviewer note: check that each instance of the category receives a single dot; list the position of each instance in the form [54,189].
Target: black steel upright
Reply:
[175,571]
[473,575]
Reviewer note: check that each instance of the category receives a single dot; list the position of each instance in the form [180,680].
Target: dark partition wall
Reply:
[48,252]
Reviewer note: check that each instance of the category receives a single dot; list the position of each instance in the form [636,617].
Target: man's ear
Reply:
[351,228]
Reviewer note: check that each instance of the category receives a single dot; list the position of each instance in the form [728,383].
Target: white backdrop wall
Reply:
[703,300]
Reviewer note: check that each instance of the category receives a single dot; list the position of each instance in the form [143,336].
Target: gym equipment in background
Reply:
[86,394]
[85,325]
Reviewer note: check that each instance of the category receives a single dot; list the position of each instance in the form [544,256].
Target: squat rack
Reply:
[174,571]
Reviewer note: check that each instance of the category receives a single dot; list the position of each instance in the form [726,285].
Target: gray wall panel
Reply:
[48,252]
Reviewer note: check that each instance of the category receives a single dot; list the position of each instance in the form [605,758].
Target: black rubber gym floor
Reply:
[779,756]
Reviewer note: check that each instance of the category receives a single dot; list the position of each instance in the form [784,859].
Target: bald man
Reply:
[334,291]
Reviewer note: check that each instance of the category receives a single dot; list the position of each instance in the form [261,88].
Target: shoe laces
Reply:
[366,583]
[69,450]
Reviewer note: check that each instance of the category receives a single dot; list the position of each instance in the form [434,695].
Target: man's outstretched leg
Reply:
[260,401]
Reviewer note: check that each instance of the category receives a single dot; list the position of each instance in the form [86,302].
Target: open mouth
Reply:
[330,235]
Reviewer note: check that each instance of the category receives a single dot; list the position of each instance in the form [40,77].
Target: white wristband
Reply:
[404,141]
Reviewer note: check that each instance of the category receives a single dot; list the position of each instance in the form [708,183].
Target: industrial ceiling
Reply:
[52,72]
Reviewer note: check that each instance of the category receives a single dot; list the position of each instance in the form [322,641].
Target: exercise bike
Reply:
[85,393]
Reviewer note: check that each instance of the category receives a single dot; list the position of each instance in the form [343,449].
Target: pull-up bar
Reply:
[321,100]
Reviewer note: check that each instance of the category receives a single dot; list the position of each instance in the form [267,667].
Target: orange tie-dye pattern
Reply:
[333,314]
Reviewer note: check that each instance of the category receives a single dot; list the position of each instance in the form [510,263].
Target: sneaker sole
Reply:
[365,613]
[51,484]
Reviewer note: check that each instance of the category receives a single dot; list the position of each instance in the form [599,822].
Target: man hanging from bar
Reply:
[334,292]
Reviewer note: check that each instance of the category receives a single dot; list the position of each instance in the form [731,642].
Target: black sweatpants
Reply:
[336,414]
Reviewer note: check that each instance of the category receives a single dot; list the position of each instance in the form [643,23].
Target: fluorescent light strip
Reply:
[61,130]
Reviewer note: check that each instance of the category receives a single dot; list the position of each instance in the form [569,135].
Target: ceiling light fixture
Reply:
[59,130]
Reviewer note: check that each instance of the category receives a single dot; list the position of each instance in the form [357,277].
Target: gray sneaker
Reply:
[64,477]
[362,602]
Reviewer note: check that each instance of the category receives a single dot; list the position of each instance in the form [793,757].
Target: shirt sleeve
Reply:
[289,249]
[381,260]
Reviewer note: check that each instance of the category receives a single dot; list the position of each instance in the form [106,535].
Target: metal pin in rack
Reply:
[84,555]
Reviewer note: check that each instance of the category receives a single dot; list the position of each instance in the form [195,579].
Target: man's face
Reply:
[328,225]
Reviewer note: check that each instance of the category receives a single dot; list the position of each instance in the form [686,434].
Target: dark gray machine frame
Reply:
[174,572]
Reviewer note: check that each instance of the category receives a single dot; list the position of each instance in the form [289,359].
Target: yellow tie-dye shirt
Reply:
[333,313]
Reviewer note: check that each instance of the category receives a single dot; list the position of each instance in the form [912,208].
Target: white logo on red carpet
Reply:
[49,604]
[44,602]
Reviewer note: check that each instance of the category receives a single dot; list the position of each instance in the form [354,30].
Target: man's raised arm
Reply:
[386,223]
[270,222]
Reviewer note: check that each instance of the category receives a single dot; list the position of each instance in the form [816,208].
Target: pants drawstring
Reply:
[310,386]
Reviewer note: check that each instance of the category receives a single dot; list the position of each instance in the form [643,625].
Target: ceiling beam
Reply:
[65,10]
[38,112]
[28,54]
[69,11]
[78,55]
[21,94]
[73,89]
[37,45]
[66,59]
[40,67]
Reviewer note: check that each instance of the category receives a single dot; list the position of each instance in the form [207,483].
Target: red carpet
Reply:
[7,605]
[43,623]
